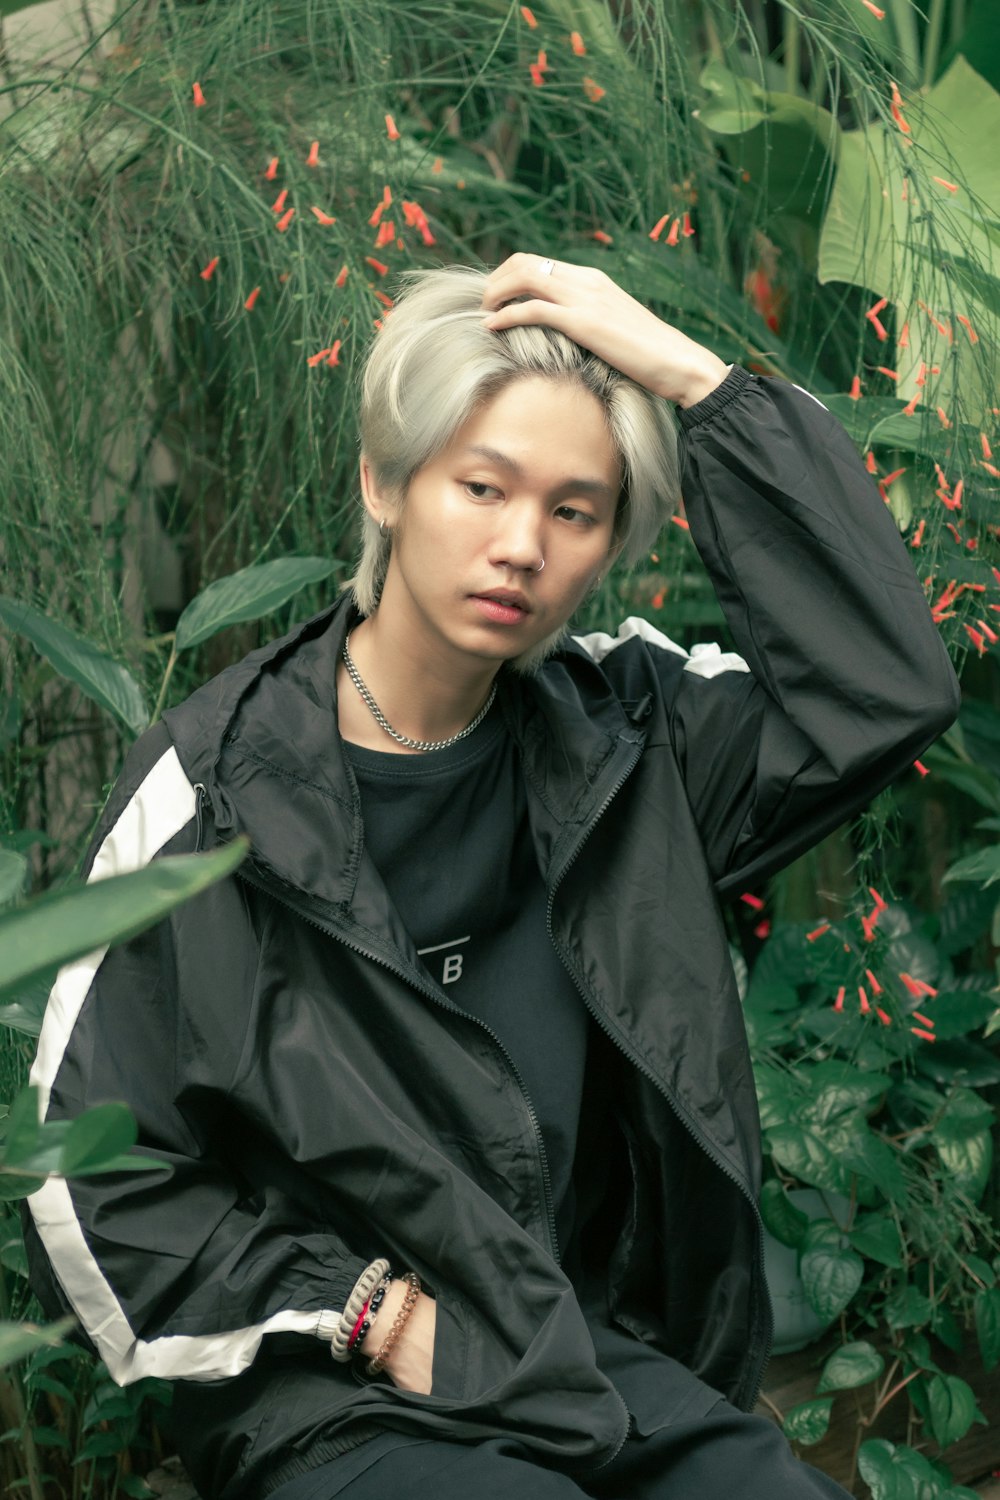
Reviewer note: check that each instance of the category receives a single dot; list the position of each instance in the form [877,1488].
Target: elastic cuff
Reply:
[327,1324]
[709,406]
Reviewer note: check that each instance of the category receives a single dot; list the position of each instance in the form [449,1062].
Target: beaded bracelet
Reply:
[377,1365]
[369,1313]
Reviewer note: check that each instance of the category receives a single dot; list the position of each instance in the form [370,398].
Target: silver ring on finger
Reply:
[546,268]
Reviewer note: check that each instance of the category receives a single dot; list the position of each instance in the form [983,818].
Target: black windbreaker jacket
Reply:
[322,1102]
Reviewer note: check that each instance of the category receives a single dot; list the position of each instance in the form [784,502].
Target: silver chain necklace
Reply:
[383,722]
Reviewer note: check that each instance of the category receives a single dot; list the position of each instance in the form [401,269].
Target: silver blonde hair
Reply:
[433,364]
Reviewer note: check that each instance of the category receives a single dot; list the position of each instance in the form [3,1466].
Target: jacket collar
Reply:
[262,738]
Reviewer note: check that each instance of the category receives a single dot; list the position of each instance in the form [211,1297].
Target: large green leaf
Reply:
[808,1422]
[983,867]
[898,1473]
[787,1223]
[97,1139]
[17,1340]
[98,676]
[952,1408]
[967,1161]
[878,234]
[877,1236]
[61,927]
[849,1366]
[908,1308]
[831,1274]
[247,595]
[13,869]
[787,144]
[806,1156]
[988,1326]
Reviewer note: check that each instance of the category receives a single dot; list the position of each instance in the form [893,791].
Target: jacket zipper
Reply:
[414,979]
[637,1061]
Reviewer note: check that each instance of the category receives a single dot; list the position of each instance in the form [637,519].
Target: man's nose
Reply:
[518,541]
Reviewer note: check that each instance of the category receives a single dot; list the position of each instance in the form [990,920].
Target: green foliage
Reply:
[154,427]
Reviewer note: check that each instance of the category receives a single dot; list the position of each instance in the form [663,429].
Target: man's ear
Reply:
[371,497]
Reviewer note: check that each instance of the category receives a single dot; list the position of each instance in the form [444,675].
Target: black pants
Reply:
[686,1443]
[715,1457]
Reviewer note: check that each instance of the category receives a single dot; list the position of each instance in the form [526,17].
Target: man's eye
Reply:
[571,513]
[478,484]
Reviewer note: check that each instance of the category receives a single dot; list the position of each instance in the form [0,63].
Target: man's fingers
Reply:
[535,311]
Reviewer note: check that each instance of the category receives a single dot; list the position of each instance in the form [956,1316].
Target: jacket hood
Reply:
[262,739]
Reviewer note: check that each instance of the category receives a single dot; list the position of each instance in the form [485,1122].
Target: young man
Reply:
[452,1076]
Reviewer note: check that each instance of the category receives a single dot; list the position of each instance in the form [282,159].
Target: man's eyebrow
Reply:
[577,486]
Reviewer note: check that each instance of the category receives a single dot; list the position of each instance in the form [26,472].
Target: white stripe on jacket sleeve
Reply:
[706,660]
[161,806]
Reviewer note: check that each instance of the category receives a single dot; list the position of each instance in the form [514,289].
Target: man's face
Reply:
[468,542]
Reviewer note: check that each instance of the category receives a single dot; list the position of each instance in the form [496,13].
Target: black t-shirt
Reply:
[448,832]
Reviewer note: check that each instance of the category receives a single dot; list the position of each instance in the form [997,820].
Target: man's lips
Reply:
[502,606]
[510,597]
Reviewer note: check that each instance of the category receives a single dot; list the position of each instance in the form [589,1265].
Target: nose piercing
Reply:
[541,565]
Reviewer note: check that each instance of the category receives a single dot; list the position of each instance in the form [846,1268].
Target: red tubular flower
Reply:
[315,359]
[341,276]
[390,128]
[838,1004]
[951,186]
[752,901]
[209,271]
[272,169]
[251,301]
[875,986]
[660,226]
[917,987]
[334,356]
[855,391]
[376,265]
[681,522]
[312,160]
[199,97]
[529,18]
[870,5]
[919,766]
[817,932]
[903,342]
[321,216]
[897,111]
[593,91]
[674,233]
[602,236]
[278,206]
[973,335]
[285,220]
[918,535]
[687,229]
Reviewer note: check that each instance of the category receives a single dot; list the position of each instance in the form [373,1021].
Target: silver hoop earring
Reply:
[541,565]
[381,528]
